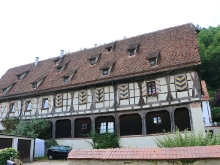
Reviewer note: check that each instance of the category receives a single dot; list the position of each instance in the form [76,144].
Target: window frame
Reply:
[27,105]
[104,71]
[151,88]
[43,103]
[153,60]
[158,120]
[132,52]
[93,61]
[106,124]
[66,79]
[12,108]
[34,85]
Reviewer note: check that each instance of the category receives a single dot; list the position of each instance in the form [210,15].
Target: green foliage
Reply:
[37,128]
[106,140]
[6,153]
[209,49]
[50,142]
[9,124]
[216,114]
[178,139]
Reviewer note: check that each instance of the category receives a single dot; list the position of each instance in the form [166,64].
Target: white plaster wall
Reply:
[198,124]
[138,142]
[206,113]
[75,143]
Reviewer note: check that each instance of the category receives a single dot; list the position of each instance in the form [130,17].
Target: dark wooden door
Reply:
[63,128]
[24,147]
[82,127]
[182,120]
[158,122]
[5,143]
[130,125]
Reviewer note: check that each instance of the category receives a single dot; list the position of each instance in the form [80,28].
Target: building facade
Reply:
[137,87]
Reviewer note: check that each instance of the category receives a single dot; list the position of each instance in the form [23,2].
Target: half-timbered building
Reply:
[136,87]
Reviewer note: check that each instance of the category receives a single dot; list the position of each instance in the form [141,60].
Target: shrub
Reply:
[9,124]
[6,153]
[106,140]
[37,128]
[178,139]
[50,142]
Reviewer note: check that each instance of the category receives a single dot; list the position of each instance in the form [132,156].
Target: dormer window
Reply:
[94,58]
[153,57]
[92,61]
[34,85]
[22,75]
[57,60]
[153,61]
[106,68]
[110,47]
[105,71]
[66,79]
[6,89]
[132,52]
[59,69]
[68,76]
[132,49]
[37,82]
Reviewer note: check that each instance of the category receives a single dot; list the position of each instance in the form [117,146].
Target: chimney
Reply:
[61,53]
[36,60]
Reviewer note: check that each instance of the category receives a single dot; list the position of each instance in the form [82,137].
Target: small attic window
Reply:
[22,75]
[66,79]
[105,71]
[153,58]
[4,90]
[59,69]
[132,49]
[109,49]
[34,85]
[93,61]
[132,52]
[94,58]
[153,61]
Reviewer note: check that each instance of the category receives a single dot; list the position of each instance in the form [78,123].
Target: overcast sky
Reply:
[41,28]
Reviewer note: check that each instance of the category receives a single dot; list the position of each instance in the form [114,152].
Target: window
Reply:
[34,85]
[153,61]
[12,107]
[104,124]
[66,79]
[151,88]
[132,52]
[4,90]
[59,69]
[28,105]
[109,49]
[83,126]
[99,95]
[105,71]
[45,104]
[107,127]
[93,61]
[157,120]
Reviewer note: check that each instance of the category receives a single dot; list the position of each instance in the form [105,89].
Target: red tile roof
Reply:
[204,91]
[177,153]
[178,49]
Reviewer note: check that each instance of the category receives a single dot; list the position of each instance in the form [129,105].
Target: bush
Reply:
[6,153]
[106,140]
[216,114]
[9,124]
[187,138]
[50,142]
[36,128]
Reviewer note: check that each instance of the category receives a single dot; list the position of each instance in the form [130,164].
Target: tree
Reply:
[9,124]
[37,128]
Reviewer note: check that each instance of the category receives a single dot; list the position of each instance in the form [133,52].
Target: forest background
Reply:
[209,49]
